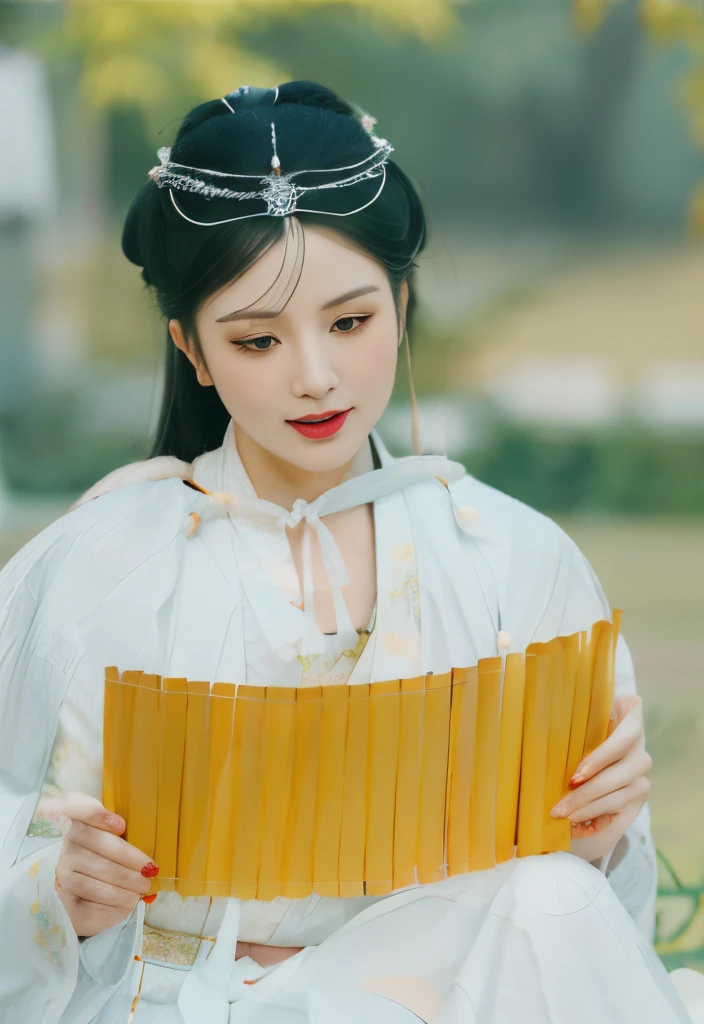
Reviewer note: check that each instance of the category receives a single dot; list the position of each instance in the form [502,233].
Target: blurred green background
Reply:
[559,349]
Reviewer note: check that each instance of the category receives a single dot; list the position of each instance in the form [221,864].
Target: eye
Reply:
[262,344]
[346,323]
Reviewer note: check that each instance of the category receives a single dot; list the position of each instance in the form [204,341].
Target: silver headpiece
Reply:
[278,191]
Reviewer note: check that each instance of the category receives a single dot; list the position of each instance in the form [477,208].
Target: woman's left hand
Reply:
[610,785]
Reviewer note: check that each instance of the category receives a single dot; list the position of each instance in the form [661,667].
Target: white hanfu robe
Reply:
[134,579]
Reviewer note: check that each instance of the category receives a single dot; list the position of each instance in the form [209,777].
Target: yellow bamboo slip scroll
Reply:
[257,792]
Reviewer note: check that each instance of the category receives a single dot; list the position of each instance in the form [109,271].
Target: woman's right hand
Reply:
[99,875]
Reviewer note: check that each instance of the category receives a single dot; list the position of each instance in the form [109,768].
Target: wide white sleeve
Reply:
[54,604]
[632,865]
[47,975]
[162,467]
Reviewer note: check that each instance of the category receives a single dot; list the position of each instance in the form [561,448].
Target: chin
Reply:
[324,456]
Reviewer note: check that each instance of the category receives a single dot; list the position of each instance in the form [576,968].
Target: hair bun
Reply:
[301,93]
[252,96]
[310,94]
[248,97]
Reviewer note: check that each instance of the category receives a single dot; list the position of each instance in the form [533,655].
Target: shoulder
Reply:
[489,523]
[530,550]
[508,520]
[162,467]
[126,523]
[546,583]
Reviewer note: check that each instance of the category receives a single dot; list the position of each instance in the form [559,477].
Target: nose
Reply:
[313,375]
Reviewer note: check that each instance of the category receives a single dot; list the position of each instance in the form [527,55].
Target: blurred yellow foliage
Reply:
[662,19]
[671,20]
[589,14]
[674,22]
[160,55]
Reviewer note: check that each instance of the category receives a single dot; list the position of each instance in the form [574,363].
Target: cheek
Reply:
[373,363]
[243,382]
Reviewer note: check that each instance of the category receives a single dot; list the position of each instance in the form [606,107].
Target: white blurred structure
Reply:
[613,339]
[578,391]
[27,197]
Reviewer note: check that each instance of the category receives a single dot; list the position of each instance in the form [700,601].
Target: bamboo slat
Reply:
[436,741]
[580,709]
[534,759]
[463,731]
[328,817]
[124,714]
[353,832]
[144,765]
[220,796]
[510,740]
[193,822]
[482,808]
[410,754]
[598,711]
[111,753]
[297,866]
[279,721]
[381,795]
[247,786]
[172,740]
[556,831]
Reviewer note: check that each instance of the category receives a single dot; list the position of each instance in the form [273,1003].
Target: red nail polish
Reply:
[150,897]
[150,870]
[576,783]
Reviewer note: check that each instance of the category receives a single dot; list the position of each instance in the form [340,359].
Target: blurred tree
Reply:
[158,57]
[677,23]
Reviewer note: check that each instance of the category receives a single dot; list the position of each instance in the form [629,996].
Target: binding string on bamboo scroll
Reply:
[257,792]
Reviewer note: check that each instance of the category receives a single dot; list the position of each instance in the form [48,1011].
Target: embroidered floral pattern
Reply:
[45,822]
[411,592]
[174,948]
[50,937]
[403,553]
[43,828]
[70,768]
[336,670]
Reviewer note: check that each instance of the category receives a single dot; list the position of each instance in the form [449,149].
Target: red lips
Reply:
[321,425]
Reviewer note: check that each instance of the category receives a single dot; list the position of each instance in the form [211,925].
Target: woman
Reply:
[275,227]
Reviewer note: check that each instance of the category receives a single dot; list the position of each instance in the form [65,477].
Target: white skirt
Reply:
[541,940]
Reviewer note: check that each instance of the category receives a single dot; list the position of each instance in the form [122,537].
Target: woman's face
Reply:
[308,384]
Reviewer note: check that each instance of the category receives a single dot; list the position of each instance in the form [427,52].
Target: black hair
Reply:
[184,263]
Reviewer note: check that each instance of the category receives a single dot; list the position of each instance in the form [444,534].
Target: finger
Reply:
[635,764]
[622,705]
[614,803]
[86,862]
[91,918]
[94,891]
[628,733]
[109,846]
[90,811]
[580,829]
[592,844]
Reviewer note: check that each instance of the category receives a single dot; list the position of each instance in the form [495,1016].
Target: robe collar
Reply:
[286,627]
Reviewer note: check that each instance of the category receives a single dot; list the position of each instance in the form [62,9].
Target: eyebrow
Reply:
[243,314]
